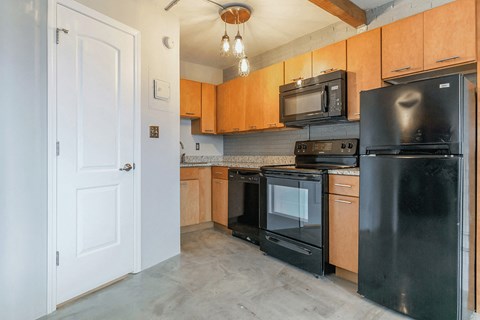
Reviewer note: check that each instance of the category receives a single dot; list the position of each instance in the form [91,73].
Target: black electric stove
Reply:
[294,203]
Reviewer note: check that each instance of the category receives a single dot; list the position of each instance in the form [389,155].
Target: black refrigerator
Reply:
[417,197]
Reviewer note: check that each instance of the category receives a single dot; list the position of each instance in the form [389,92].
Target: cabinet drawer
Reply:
[188,174]
[343,232]
[344,185]
[220,173]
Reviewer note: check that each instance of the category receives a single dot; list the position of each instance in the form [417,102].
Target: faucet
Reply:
[182,156]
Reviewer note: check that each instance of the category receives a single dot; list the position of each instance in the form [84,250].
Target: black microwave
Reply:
[315,100]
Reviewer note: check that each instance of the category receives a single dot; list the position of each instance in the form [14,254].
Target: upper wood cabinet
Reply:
[299,67]
[236,105]
[207,123]
[190,99]
[222,108]
[330,58]
[363,68]
[402,47]
[262,100]
[450,34]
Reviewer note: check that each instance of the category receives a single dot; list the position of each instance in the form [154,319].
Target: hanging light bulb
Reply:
[238,46]
[243,67]
[225,44]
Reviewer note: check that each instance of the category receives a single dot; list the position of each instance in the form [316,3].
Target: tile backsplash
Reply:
[282,142]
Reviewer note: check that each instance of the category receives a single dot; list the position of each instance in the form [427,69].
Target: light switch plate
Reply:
[154,132]
[161,89]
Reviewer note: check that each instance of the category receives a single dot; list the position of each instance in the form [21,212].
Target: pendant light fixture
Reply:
[236,14]
[225,44]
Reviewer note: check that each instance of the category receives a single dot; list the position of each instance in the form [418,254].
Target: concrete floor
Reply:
[221,277]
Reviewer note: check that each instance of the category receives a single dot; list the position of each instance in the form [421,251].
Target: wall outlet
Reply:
[197,146]
[154,132]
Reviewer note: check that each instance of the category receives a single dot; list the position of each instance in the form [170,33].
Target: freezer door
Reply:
[409,234]
[421,113]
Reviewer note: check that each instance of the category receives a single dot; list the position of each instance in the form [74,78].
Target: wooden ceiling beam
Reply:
[345,10]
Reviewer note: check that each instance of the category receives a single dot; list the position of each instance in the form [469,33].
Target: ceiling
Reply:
[272,24]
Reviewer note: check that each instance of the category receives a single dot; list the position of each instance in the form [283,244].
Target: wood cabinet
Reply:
[220,195]
[402,47]
[330,58]
[450,34]
[207,122]
[190,99]
[343,223]
[231,106]
[262,102]
[195,196]
[299,67]
[363,68]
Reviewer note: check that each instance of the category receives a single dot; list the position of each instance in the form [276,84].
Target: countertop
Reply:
[251,162]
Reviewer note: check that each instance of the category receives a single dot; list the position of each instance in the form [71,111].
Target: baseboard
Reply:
[197,227]
[347,275]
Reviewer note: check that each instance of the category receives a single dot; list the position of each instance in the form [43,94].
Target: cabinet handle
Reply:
[190,113]
[402,69]
[328,70]
[209,131]
[448,59]
[343,201]
[236,129]
[342,185]
[219,182]
[297,79]
[356,114]
[252,127]
[183,183]
[272,125]
[218,172]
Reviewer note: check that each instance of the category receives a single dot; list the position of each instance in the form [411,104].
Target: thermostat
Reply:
[161,89]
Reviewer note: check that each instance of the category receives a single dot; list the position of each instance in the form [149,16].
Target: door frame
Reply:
[52,139]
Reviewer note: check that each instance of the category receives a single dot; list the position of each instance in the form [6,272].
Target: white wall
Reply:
[23,159]
[209,145]
[159,164]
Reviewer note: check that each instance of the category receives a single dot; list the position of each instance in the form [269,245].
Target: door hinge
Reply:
[133,167]
[58,34]
[58,258]
[58,148]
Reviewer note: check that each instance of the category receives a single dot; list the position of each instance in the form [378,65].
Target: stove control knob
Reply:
[343,146]
[299,146]
[304,147]
[350,145]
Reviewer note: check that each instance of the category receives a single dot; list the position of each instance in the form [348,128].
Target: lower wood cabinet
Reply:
[220,195]
[195,196]
[343,222]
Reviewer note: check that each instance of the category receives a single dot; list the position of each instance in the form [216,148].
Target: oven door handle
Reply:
[316,177]
[290,246]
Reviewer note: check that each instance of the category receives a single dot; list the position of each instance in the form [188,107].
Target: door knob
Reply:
[127,167]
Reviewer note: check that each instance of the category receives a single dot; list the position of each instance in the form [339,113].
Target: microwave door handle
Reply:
[325,99]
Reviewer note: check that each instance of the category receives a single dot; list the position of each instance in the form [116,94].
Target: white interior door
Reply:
[95,116]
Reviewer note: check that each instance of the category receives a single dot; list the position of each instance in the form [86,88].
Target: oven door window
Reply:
[294,209]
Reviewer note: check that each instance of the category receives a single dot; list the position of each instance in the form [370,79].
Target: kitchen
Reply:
[242,138]
[387,57]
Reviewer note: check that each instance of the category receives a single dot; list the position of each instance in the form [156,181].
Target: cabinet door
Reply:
[190,98]
[222,107]
[207,123]
[220,201]
[343,232]
[272,79]
[450,34]
[236,105]
[363,68]
[402,47]
[254,101]
[205,195]
[330,58]
[299,67]
[189,202]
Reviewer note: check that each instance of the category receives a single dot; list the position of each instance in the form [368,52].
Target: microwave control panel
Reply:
[336,97]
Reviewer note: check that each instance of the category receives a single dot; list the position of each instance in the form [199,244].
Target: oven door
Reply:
[304,104]
[294,207]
